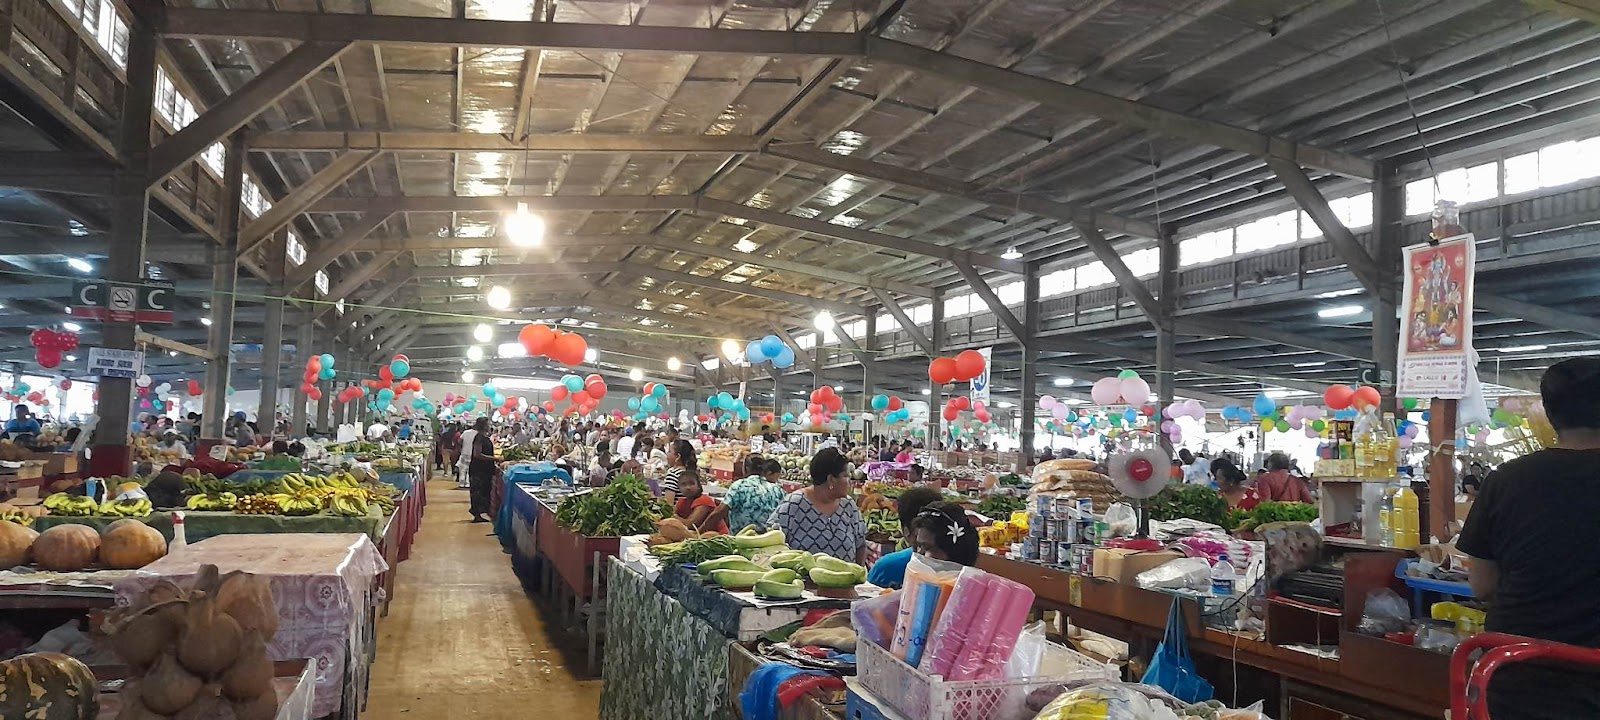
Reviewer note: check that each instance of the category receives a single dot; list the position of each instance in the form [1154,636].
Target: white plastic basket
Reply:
[917,695]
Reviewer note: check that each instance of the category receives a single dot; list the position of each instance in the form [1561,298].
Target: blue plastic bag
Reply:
[1172,669]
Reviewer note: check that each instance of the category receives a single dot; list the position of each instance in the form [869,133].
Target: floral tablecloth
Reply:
[323,586]
[661,661]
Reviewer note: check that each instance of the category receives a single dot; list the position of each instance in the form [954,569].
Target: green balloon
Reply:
[1319,425]
[1282,425]
[1126,374]
[1409,403]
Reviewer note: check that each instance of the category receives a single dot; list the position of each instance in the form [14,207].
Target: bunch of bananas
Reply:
[136,508]
[206,484]
[321,485]
[349,503]
[17,517]
[71,505]
[304,503]
[213,501]
[257,505]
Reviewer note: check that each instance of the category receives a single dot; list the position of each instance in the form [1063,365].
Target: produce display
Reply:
[527,452]
[624,507]
[130,544]
[288,463]
[695,550]
[220,501]
[1268,512]
[48,686]
[1001,506]
[1196,502]
[71,505]
[130,508]
[198,651]
[883,526]
[16,544]
[66,548]
[23,516]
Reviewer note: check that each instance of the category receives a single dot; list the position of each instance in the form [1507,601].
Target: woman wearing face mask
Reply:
[823,518]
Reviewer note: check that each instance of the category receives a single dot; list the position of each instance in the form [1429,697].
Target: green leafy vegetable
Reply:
[1000,507]
[695,550]
[625,507]
[1270,512]
[1196,502]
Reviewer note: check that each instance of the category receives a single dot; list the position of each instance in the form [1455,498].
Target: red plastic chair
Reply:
[1469,683]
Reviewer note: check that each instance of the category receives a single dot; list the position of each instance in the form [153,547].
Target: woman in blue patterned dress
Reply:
[824,518]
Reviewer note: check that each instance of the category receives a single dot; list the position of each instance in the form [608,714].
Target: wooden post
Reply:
[1441,469]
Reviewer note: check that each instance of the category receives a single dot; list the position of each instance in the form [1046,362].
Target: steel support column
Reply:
[869,345]
[325,403]
[129,219]
[271,365]
[224,283]
[936,396]
[1030,364]
[1166,328]
[1388,222]
[302,349]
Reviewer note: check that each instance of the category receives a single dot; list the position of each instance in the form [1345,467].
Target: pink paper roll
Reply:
[951,632]
[981,631]
[1012,619]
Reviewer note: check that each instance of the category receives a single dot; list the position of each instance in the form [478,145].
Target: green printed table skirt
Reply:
[660,661]
[200,525]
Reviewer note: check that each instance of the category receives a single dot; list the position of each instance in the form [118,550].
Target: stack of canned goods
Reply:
[1059,527]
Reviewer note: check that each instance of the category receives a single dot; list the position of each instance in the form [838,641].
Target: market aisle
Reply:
[462,639]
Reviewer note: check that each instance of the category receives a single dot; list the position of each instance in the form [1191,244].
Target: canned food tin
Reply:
[1063,506]
[1041,505]
[1086,560]
[1070,531]
[1085,507]
[1030,548]
[1048,552]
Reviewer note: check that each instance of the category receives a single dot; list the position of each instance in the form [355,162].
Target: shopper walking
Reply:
[464,452]
[1528,559]
[1278,485]
[480,470]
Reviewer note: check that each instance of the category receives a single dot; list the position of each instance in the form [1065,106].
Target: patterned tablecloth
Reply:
[323,585]
[202,524]
[661,660]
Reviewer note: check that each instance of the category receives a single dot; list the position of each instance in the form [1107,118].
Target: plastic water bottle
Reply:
[1222,577]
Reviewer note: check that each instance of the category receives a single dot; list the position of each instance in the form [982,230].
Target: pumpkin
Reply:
[129,544]
[15,543]
[48,686]
[66,548]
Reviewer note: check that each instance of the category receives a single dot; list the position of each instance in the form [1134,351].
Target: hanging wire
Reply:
[1411,106]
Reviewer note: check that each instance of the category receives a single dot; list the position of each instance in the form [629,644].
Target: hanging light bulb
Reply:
[590,355]
[674,364]
[731,349]
[499,297]
[524,228]
[824,321]
[483,333]
[1011,253]
[475,353]
[636,374]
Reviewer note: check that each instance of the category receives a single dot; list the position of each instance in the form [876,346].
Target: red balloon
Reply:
[835,404]
[816,409]
[895,403]
[48,357]
[65,385]
[1366,397]
[969,364]
[510,402]
[1338,397]
[597,390]
[402,356]
[307,388]
[950,413]
[569,349]
[942,371]
[558,393]
[549,406]
[961,402]
[41,337]
[536,339]
[982,415]
[35,396]
[581,397]
[195,389]
[385,373]
[315,394]
[68,341]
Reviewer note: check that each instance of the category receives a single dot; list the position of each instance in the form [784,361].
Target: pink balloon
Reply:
[1405,442]
[1134,390]
[1412,430]
[1047,402]
[1106,391]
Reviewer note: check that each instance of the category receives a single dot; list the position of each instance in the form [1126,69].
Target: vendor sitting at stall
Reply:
[699,511]
[1278,485]
[824,518]
[1529,509]
[942,531]
[1232,483]
[751,500]
[890,570]
[172,442]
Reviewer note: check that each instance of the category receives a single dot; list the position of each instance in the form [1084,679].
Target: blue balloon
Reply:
[230,389]
[470,404]
[771,346]
[724,401]
[573,383]
[385,395]
[1130,415]
[880,402]
[788,417]
[1427,415]
[400,369]
[1072,417]
[24,388]
[327,373]
[754,354]
[327,360]
[711,402]
[660,391]
[649,404]
[633,403]
[1264,405]
[784,359]
[744,413]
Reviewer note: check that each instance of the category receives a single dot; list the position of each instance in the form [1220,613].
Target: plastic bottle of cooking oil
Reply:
[1388,461]
[1363,443]
[1405,518]
[1386,518]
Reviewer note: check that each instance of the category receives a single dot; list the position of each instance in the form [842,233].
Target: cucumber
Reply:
[834,564]
[781,575]
[766,539]
[728,562]
[780,590]
[824,577]
[736,578]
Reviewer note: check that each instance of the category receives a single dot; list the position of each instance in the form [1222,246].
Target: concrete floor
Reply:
[462,639]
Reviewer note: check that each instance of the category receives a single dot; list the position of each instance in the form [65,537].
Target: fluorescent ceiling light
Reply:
[475,353]
[838,388]
[926,391]
[511,350]
[590,355]
[730,349]
[1522,348]
[1069,401]
[1337,293]
[205,321]
[1340,311]
[1003,405]
[483,333]
[507,383]
[72,358]
[1011,253]
[1062,382]
[1311,364]
[674,364]
[1280,393]
[499,298]
[72,327]
[636,375]
[467,376]
[80,265]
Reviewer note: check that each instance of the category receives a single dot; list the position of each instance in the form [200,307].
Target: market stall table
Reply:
[543,552]
[323,584]
[202,524]
[293,680]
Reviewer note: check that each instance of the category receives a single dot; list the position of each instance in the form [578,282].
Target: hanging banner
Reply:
[1436,319]
[980,384]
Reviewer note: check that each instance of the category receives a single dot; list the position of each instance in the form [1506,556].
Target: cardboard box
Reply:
[1123,565]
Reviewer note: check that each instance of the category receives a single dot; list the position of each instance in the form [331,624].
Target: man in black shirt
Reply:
[1522,536]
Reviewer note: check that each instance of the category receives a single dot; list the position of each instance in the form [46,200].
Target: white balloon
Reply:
[142,381]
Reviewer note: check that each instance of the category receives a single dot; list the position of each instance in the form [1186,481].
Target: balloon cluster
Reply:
[1126,388]
[965,366]
[769,348]
[825,403]
[194,388]
[1057,409]
[583,393]
[956,405]
[651,402]
[1187,408]
[563,347]
[351,393]
[893,409]
[733,407]
[318,367]
[1341,397]
[50,344]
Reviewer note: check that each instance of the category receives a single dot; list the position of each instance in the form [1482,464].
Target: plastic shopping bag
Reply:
[1171,668]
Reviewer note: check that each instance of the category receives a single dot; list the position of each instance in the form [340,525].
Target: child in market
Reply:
[696,509]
